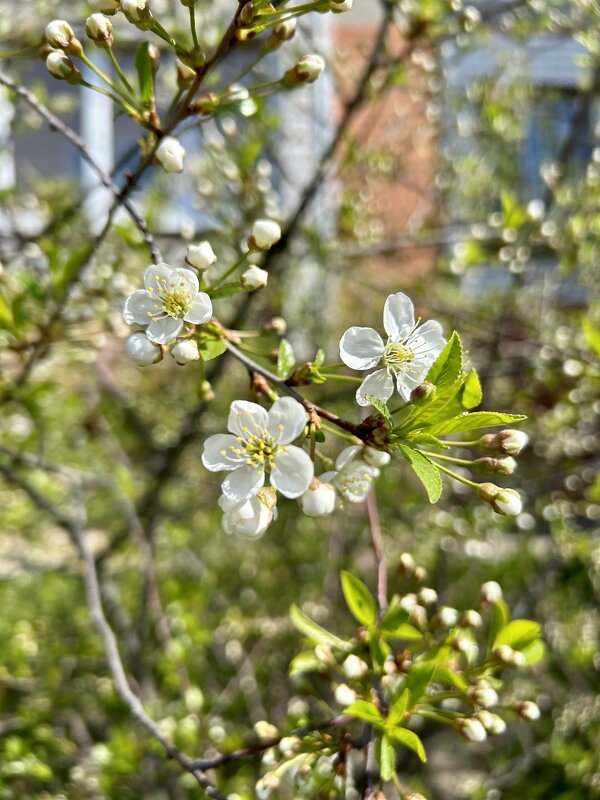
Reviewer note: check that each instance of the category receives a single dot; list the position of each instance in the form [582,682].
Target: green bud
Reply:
[423,394]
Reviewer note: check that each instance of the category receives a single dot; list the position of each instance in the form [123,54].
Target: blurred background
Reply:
[451,152]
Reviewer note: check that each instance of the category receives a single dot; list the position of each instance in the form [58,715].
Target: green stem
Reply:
[460,444]
[457,477]
[193,27]
[133,112]
[304,8]
[341,434]
[158,29]
[451,459]
[120,72]
[230,271]
[341,377]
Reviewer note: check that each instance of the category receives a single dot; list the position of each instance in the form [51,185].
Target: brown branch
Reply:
[376,537]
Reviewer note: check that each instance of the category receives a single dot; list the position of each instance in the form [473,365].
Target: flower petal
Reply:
[243,482]
[361,348]
[247,419]
[155,276]
[164,330]
[287,420]
[346,456]
[379,384]
[139,308]
[431,333]
[292,471]
[398,316]
[219,453]
[409,380]
[185,280]
[200,310]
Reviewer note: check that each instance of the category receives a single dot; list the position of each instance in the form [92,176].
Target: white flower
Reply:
[259,441]
[344,695]
[355,667]
[318,500]
[254,278]
[105,6]
[249,517]
[472,619]
[142,350]
[200,255]
[170,154]
[60,66]
[472,729]
[352,478]
[376,458]
[185,351]
[490,592]
[59,34]
[338,7]
[99,29]
[171,297]
[265,233]
[406,356]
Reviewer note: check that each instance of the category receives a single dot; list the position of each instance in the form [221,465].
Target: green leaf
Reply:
[386,755]
[425,470]
[285,359]
[65,272]
[411,740]
[534,652]
[6,314]
[362,709]
[211,348]
[518,634]
[397,711]
[315,632]
[145,71]
[447,368]
[381,406]
[305,662]
[592,335]
[394,616]
[405,631]
[359,599]
[475,420]
[500,617]
[472,393]
[445,675]
[420,676]
[427,439]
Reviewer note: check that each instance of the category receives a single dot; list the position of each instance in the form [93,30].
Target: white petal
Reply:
[219,453]
[155,274]
[292,471]
[398,316]
[431,333]
[361,348]
[346,456]
[287,420]
[164,330]
[379,384]
[185,279]
[138,308]
[246,419]
[243,482]
[409,380]
[201,309]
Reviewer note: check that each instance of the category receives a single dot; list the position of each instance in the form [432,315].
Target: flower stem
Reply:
[458,477]
[120,72]
[193,26]
[115,98]
[451,459]
[230,271]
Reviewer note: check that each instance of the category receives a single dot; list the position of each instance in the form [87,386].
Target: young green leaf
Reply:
[518,634]
[386,755]
[359,599]
[405,631]
[500,617]
[145,72]
[285,359]
[381,406]
[394,616]
[420,676]
[534,652]
[411,740]
[362,709]
[211,348]
[397,711]
[472,393]
[474,421]
[314,631]
[447,368]
[425,470]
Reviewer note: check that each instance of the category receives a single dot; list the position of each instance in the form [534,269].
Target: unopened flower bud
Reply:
[142,350]
[407,563]
[105,6]
[254,278]
[60,35]
[509,442]
[418,616]
[267,784]
[200,256]
[505,655]
[265,233]
[170,154]
[408,602]
[290,745]
[276,325]
[99,29]
[447,617]
[265,731]
[504,501]
[318,500]
[493,723]
[138,13]
[339,6]
[185,351]
[306,70]
[324,654]
[420,574]
[490,592]
[355,667]
[60,66]
[496,466]
[527,710]
[285,30]
[376,458]
[206,393]
[246,15]
[471,729]
[344,695]
[185,75]
[427,596]
[483,695]
[471,619]
[423,394]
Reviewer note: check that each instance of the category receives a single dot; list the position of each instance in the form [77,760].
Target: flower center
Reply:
[259,450]
[176,298]
[397,353]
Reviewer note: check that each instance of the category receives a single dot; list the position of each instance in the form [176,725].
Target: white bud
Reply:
[376,458]
[490,592]
[447,617]
[471,729]
[355,667]
[290,745]
[407,562]
[105,6]
[493,724]
[59,34]
[509,442]
[200,255]
[344,695]
[324,654]
[472,619]
[309,68]
[483,695]
[267,784]
[99,29]
[285,30]
[508,503]
[170,154]
[318,500]
[265,731]
[528,710]
[509,657]
[254,278]
[60,66]
[408,602]
[340,7]
[185,75]
[138,13]
[185,351]
[142,350]
[427,596]
[265,233]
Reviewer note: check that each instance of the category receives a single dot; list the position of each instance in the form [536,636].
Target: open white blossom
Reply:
[170,154]
[352,477]
[250,517]
[410,350]
[259,442]
[170,298]
[318,500]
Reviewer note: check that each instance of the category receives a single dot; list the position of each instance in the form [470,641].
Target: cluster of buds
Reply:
[502,447]
[61,38]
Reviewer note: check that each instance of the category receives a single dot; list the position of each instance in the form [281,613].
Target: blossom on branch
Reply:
[406,357]
[170,154]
